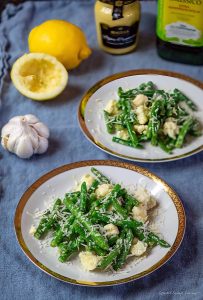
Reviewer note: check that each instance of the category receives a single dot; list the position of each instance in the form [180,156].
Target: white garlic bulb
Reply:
[25,136]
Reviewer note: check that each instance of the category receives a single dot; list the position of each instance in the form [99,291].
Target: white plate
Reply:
[93,103]
[171,220]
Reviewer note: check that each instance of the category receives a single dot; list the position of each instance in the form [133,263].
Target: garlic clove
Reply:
[15,119]
[42,129]
[24,147]
[43,145]
[4,141]
[13,137]
[7,129]
[34,138]
[31,119]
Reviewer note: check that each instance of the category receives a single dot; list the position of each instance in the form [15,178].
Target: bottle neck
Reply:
[117,12]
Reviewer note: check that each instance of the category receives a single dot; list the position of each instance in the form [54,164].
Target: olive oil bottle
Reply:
[180,31]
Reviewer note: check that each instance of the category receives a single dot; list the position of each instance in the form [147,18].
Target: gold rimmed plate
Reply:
[170,220]
[91,120]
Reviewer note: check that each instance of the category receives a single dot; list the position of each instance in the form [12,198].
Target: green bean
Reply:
[92,246]
[183,131]
[60,234]
[143,138]
[65,252]
[195,129]
[130,202]
[100,217]
[109,125]
[147,86]
[120,91]
[96,236]
[91,200]
[118,208]
[67,249]
[149,237]
[44,226]
[178,95]
[93,187]
[128,223]
[109,259]
[112,240]
[107,200]
[154,122]
[83,197]
[73,194]
[119,221]
[100,176]
[94,205]
[126,142]
[132,134]
[126,245]
[47,221]
[164,147]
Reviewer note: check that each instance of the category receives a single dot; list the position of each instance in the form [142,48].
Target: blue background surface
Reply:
[181,277]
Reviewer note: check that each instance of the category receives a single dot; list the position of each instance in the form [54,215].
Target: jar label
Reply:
[119,37]
[112,2]
[181,22]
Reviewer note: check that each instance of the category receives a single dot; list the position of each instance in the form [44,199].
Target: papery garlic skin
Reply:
[25,136]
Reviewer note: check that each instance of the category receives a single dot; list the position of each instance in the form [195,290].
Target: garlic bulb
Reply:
[25,136]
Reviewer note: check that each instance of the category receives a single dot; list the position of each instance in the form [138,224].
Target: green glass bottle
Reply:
[179,31]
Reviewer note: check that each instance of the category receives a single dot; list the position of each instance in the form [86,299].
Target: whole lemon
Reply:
[61,39]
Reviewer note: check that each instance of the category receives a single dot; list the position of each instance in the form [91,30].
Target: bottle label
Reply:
[181,22]
[119,37]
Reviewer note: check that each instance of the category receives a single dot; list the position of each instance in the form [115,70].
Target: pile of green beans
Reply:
[86,215]
[161,105]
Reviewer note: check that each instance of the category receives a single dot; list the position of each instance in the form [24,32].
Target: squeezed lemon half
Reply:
[39,76]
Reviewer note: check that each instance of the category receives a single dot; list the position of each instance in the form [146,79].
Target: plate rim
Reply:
[168,189]
[102,82]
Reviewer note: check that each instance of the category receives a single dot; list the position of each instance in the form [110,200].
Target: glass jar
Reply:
[117,24]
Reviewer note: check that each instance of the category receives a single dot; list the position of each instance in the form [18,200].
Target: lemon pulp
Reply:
[39,76]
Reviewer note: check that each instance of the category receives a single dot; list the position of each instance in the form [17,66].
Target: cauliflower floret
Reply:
[88,179]
[89,260]
[171,128]
[142,195]
[142,114]
[123,134]
[111,229]
[111,107]
[140,128]
[139,100]
[32,230]
[138,248]
[103,190]
[139,213]
[145,198]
